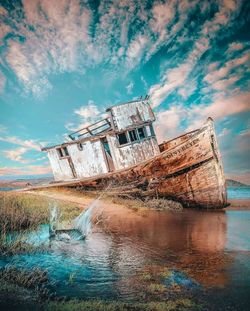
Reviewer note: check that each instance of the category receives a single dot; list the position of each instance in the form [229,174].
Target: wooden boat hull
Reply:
[188,170]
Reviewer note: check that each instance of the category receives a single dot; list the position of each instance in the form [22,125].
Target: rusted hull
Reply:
[188,170]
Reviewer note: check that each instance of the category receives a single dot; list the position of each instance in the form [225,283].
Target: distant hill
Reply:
[234,183]
[23,182]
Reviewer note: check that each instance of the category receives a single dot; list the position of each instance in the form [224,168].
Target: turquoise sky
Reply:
[63,62]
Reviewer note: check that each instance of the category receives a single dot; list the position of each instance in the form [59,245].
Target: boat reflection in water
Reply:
[211,249]
[190,240]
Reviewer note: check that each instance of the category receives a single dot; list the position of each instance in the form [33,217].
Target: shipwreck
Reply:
[122,150]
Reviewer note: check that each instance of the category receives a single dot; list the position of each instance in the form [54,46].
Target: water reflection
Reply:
[208,248]
[190,240]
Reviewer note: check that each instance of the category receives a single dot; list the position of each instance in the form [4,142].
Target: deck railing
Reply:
[94,129]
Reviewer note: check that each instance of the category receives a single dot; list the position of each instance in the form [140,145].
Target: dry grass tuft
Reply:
[163,204]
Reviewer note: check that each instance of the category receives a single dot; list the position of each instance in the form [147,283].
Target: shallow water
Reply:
[238,193]
[8,188]
[206,253]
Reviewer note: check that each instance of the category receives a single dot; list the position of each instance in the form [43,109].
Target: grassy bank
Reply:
[20,212]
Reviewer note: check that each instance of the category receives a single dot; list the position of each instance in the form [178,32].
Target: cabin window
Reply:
[141,132]
[133,135]
[59,151]
[65,151]
[122,138]
[150,130]
[62,152]
[80,146]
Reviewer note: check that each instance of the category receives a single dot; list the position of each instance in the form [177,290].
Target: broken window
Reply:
[122,138]
[59,151]
[133,135]
[141,132]
[65,152]
[62,152]
[150,130]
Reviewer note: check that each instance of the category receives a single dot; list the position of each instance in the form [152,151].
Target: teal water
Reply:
[238,193]
[7,188]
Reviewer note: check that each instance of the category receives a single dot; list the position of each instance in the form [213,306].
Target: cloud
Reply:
[25,146]
[222,107]
[216,74]
[235,46]
[224,132]
[167,123]
[2,82]
[89,111]
[55,37]
[177,78]
[245,133]
[28,170]
[224,83]
[129,87]
[72,37]
[163,14]
[29,144]
[136,49]
[16,154]
[86,115]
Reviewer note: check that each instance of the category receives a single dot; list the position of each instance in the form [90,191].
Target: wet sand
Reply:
[239,204]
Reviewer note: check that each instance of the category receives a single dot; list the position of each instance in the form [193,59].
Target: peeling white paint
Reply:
[91,160]
[129,114]
[128,155]
[60,167]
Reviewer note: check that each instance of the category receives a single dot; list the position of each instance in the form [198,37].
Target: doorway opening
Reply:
[107,154]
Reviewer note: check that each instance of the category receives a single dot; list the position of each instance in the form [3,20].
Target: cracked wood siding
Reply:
[130,114]
[125,156]
[60,167]
[90,161]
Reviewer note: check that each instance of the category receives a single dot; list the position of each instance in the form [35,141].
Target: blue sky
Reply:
[62,63]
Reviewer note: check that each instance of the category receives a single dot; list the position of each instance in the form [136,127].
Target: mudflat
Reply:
[239,204]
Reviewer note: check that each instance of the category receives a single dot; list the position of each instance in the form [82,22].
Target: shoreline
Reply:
[84,199]
[238,204]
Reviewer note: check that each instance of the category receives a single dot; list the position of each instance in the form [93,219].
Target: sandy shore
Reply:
[239,204]
[83,201]
[108,205]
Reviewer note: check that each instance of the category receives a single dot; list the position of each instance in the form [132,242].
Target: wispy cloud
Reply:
[129,87]
[61,38]
[28,170]
[84,116]
[20,154]
[29,144]
[16,154]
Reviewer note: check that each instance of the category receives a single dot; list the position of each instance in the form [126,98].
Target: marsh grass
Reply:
[76,305]
[135,203]
[152,281]
[35,280]
[155,288]
[21,212]
[26,211]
